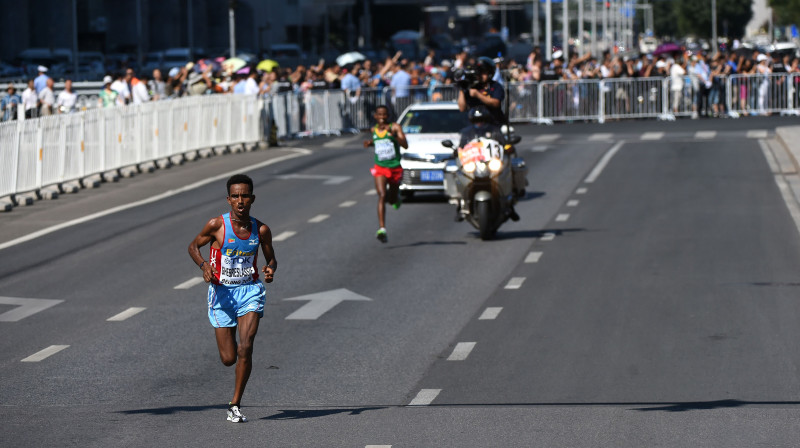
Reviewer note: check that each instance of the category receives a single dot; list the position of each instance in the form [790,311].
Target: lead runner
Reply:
[235,295]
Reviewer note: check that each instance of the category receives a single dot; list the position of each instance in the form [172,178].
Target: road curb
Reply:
[789,136]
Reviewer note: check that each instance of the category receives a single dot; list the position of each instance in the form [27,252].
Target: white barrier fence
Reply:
[324,112]
[62,148]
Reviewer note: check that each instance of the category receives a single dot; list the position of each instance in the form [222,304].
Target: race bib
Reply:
[384,150]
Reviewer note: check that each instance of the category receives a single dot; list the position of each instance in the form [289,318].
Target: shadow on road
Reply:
[501,235]
[429,243]
[172,410]
[297,414]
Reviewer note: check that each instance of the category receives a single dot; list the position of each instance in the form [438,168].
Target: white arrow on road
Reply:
[329,180]
[25,307]
[322,302]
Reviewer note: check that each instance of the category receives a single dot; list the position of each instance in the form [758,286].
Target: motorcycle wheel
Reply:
[482,209]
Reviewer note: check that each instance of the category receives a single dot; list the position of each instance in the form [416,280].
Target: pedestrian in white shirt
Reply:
[251,86]
[677,73]
[67,99]
[139,90]
[30,100]
[47,98]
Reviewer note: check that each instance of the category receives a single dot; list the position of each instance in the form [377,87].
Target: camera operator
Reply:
[478,89]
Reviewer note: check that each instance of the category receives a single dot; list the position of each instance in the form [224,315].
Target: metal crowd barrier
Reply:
[62,148]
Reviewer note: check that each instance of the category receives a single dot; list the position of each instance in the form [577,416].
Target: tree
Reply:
[786,11]
[694,16]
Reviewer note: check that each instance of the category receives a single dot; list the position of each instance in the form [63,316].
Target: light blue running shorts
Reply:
[226,304]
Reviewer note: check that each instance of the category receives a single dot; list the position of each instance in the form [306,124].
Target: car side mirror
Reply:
[447,143]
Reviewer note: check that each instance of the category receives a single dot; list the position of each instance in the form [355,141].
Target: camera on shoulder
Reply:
[466,78]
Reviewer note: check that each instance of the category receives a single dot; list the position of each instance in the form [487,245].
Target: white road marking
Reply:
[378,446]
[189,283]
[540,148]
[298,153]
[371,192]
[562,217]
[49,351]
[547,138]
[789,199]
[581,190]
[757,133]
[491,313]
[515,283]
[322,302]
[461,351]
[652,136]
[284,236]
[573,203]
[126,314]
[548,237]
[329,180]
[601,165]
[601,136]
[347,204]
[24,307]
[705,134]
[425,397]
[533,257]
[319,218]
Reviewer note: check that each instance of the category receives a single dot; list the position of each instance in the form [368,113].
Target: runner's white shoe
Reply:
[235,416]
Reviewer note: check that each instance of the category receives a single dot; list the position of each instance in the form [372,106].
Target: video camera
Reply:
[466,78]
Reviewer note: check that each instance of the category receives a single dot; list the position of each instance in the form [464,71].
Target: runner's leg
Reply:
[380,187]
[226,343]
[248,327]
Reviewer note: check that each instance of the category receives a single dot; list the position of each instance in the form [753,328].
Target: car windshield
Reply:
[433,121]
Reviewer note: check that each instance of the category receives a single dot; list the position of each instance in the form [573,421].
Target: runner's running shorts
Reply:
[393,175]
[226,304]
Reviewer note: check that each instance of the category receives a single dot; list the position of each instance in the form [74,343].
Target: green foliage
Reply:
[786,11]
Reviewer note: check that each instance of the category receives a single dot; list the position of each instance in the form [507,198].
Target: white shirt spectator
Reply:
[30,99]
[67,100]
[139,93]
[121,87]
[676,77]
[251,87]
[48,98]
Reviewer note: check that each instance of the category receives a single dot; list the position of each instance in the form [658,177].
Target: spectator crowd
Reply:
[705,74]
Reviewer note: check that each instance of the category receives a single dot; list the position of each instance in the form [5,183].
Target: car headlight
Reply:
[469,167]
[495,165]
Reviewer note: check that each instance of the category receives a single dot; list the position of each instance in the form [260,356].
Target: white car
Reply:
[425,126]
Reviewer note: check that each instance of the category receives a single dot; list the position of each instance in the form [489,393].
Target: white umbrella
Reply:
[349,58]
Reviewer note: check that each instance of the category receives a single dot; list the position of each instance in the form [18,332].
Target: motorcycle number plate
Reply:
[431,176]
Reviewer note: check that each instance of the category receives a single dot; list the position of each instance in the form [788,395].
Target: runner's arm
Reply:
[265,236]
[207,235]
[397,130]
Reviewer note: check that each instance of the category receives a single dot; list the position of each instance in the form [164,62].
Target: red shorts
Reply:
[394,175]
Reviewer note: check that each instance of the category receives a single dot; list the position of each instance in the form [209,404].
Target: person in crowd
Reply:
[41,80]
[67,99]
[121,87]
[47,99]
[30,100]
[108,96]
[157,87]
[139,93]
[764,71]
[10,103]
[677,76]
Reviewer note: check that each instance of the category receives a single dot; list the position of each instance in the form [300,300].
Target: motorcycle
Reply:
[485,181]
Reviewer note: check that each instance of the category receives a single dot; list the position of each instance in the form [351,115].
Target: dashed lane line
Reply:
[283,236]
[370,192]
[581,190]
[600,136]
[757,133]
[549,236]
[461,351]
[562,217]
[347,204]
[573,203]
[490,313]
[132,311]
[514,283]
[189,283]
[319,218]
[705,135]
[425,397]
[533,257]
[547,138]
[652,136]
[44,354]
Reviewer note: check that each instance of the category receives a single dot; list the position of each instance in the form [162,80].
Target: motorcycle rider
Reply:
[482,125]
[483,91]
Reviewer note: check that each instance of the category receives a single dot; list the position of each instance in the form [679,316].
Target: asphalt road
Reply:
[645,298]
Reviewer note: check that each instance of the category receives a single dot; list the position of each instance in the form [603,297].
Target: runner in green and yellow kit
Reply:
[387,138]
